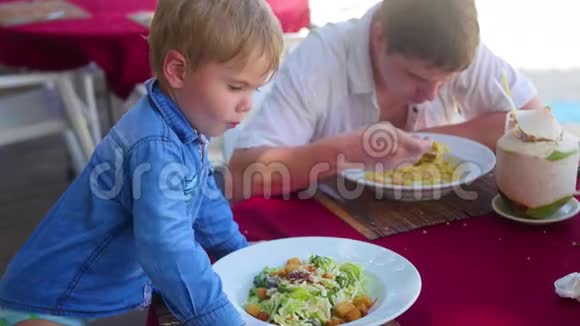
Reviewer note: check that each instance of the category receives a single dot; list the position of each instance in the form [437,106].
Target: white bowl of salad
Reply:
[318,281]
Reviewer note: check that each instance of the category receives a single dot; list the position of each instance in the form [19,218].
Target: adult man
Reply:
[416,64]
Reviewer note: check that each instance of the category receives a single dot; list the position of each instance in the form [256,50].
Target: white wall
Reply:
[532,34]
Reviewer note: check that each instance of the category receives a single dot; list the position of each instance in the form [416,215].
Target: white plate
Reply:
[569,210]
[475,159]
[391,278]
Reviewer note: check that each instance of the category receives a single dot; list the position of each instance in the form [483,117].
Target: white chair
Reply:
[35,112]
[81,111]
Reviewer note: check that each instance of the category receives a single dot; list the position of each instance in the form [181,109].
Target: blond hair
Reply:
[445,33]
[207,31]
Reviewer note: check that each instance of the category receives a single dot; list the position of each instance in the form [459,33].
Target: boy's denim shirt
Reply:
[142,214]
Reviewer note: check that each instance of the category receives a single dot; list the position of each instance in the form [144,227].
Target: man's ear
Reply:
[174,68]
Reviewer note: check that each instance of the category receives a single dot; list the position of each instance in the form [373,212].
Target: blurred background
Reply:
[52,114]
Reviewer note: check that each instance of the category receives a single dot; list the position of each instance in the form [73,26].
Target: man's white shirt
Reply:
[325,87]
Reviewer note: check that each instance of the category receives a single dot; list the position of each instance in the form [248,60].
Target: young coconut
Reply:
[536,165]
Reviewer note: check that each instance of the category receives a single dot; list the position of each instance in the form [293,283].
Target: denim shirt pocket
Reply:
[178,181]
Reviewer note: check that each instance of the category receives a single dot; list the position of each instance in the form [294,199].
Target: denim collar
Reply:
[172,114]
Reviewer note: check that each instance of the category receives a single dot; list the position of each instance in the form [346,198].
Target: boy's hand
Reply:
[251,243]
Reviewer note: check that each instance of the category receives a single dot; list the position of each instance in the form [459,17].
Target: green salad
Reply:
[317,292]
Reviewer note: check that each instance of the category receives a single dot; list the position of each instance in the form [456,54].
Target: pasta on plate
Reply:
[437,167]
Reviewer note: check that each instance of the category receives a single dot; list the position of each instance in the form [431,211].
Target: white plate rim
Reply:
[496,207]
[413,269]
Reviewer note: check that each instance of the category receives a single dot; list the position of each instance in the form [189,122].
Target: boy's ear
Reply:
[174,68]
[378,41]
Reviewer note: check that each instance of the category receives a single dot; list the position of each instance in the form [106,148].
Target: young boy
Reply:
[146,209]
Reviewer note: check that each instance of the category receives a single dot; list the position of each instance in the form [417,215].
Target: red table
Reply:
[480,271]
[293,14]
[108,38]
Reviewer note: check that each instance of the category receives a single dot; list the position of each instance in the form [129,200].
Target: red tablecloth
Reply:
[293,14]
[108,38]
[480,271]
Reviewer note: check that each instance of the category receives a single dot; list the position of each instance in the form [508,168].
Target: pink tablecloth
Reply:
[293,14]
[480,271]
[108,38]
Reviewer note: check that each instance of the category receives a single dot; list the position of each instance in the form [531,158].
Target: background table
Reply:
[108,38]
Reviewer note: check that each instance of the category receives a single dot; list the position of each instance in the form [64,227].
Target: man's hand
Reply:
[383,146]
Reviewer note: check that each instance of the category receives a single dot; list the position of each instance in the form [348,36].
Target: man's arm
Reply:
[281,170]
[486,129]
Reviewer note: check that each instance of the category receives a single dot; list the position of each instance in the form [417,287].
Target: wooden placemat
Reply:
[377,218]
